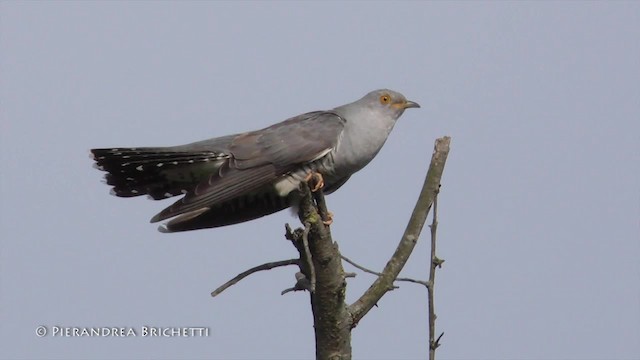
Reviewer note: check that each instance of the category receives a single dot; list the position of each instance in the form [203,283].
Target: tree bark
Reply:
[332,321]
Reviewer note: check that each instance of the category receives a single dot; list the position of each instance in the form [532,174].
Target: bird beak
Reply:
[405,104]
[411,104]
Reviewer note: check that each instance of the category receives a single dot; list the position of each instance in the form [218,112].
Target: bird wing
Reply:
[260,157]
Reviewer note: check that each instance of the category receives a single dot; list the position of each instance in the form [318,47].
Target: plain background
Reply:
[539,209]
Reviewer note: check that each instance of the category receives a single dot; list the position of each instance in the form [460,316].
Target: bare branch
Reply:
[435,262]
[421,282]
[302,283]
[288,290]
[307,253]
[265,266]
[359,266]
[289,234]
[384,282]
[435,345]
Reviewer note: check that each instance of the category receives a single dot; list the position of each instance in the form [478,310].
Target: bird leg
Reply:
[329,220]
[317,179]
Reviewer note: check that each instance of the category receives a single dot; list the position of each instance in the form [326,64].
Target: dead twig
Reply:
[307,253]
[421,282]
[265,266]
[302,283]
[435,262]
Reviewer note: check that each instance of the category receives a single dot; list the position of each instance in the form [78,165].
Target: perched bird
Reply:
[241,177]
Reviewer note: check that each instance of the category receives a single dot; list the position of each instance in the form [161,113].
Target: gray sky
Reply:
[539,209]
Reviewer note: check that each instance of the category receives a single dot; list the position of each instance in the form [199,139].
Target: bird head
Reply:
[388,101]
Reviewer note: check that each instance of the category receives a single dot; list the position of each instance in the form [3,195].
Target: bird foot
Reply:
[317,179]
[329,219]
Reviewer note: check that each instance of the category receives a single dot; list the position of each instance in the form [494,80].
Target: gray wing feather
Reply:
[260,157]
[234,183]
[293,141]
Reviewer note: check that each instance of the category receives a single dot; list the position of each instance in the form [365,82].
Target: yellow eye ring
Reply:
[385,99]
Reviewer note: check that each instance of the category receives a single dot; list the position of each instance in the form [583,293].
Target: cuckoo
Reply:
[241,177]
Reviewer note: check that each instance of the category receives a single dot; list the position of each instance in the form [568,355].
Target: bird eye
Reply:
[385,99]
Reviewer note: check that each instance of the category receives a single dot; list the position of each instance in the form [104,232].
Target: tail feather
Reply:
[157,172]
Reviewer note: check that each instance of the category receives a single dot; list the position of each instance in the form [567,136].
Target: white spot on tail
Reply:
[134,191]
[125,164]
[168,195]
[139,168]
[159,164]
[126,156]
[190,161]
[175,163]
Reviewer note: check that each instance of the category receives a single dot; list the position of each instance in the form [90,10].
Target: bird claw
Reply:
[329,219]
[318,180]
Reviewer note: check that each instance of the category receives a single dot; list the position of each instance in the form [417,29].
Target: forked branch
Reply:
[358,266]
[429,191]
